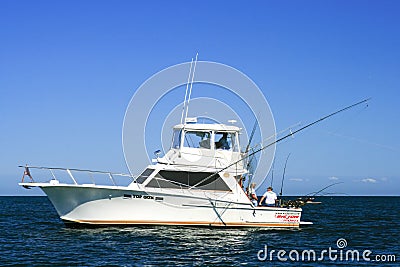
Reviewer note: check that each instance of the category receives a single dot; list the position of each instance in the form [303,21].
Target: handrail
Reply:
[72,169]
[72,177]
[68,170]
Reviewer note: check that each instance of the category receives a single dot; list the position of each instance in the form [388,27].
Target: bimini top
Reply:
[208,127]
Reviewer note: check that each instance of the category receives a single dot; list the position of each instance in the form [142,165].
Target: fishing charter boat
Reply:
[198,182]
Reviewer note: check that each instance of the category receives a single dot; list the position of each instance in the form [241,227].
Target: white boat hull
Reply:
[120,205]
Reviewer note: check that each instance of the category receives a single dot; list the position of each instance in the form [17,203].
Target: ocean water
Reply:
[31,234]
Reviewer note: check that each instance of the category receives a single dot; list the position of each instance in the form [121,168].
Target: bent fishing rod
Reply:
[313,194]
[283,138]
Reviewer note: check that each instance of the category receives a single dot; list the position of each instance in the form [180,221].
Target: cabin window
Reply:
[144,176]
[196,139]
[226,141]
[176,139]
[159,182]
[181,179]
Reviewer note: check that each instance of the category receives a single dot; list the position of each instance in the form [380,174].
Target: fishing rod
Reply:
[272,172]
[248,147]
[282,138]
[251,136]
[326,187]
[248,166]
[301,201]
[334,193]
[283,176]
[260,144]
[276,134]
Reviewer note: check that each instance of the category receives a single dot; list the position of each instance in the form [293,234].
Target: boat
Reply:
[198,182]
[310,200]
[313,202]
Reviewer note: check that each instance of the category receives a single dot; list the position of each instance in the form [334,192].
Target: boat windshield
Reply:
[176,139]
[197,139]
[202,139]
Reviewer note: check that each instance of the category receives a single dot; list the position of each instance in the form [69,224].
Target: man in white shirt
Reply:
[271,197]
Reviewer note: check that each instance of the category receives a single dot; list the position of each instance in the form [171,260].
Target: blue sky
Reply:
[69,68]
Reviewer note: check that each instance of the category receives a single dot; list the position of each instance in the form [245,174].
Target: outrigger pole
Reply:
[283,138]
[186,92]
[190,89]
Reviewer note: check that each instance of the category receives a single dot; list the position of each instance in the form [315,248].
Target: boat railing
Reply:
[77,176]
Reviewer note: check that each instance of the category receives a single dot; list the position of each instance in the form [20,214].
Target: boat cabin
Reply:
[204,145]
[198,152]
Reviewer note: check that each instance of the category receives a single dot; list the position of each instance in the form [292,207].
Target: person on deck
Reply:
[270,196]
[252,194]
[223,142]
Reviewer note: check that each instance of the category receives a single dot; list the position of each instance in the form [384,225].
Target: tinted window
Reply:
[180,179]
[155,182]
[144,176]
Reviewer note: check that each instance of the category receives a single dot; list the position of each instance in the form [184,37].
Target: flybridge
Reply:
[204,145]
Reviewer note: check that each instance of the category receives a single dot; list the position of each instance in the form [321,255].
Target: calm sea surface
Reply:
[31,234]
